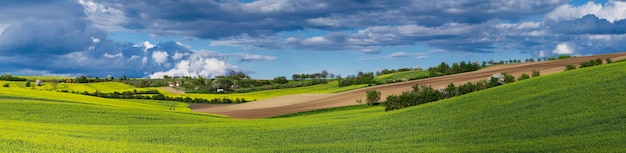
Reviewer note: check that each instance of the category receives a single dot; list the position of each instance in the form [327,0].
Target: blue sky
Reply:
[268,38]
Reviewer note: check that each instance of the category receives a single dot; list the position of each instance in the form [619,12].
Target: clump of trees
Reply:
[280,80]
[9,77]
[445,69]
[591,63]
[360,78]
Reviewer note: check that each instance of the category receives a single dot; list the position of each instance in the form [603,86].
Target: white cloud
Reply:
[107,55]
[611,11]
[398,55]
[102,16]
[253,57]
[199,63]
[178,55]
[147,44]
[563,48]
[159,57]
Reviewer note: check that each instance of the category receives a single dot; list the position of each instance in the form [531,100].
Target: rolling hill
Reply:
[306,102]
[575,111]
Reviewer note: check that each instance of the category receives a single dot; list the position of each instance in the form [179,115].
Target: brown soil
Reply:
[172,90]
[306,102]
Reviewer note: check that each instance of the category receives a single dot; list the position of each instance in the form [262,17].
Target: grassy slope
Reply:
[330,87]
[405,76]
[575,111]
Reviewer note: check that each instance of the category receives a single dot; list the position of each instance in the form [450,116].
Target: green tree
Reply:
[524,76]
[569,67]
[373,97]
[27,83]
[535,73]
[5,85]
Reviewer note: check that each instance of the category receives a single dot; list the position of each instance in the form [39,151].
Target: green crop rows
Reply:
[581,110]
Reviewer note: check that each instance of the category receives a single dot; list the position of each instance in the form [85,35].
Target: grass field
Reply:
[581,110]
[404,76]
[330,87]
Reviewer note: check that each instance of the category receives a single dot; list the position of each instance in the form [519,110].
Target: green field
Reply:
[581,110]
[403,76]
[330,87]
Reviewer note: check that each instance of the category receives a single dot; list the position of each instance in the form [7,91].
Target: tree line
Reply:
[422,94]
[156,95]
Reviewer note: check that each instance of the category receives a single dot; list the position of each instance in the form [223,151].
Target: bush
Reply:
[373,97]
[535,73]
[524,76]
[570,67]
[27,83]
[608,60]
[6,85]
[508,78]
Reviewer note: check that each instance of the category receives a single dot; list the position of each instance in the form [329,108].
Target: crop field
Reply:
[404,76]
[330,87]
[581,110]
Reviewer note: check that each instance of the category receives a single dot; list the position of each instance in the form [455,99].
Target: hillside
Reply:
[574,111]
[306,102]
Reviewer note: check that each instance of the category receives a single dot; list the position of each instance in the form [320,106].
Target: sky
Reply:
[269,38]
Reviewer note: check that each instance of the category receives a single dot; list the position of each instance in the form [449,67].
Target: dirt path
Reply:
[306,102]
[172,90]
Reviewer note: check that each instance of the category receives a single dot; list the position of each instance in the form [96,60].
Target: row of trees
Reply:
[445,69]
[321,75]
[360,78]
[9,77]
[156,95]
[588,64]
[425,94]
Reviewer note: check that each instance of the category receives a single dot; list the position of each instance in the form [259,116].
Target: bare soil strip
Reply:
[306,102]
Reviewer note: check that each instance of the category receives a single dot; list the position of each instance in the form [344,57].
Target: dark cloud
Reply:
[218,19]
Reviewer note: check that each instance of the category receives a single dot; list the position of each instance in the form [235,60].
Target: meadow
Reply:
[580,110]
[401,76]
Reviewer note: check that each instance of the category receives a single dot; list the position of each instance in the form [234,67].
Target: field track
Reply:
[306,102]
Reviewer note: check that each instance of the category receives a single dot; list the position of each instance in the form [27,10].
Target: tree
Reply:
[608,60]
[508,78]
[280,80]
[324,74]
[5,85]
[27,83]
[569,67]
[373,97]
[451,90]
[535,73]
[296,77]
[524,76]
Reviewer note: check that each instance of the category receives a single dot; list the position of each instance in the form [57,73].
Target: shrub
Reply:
[608,60]
[6,85]
[524,76]
[569,67]
[27,83]
[508,78]
[373,97]
[535,73]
